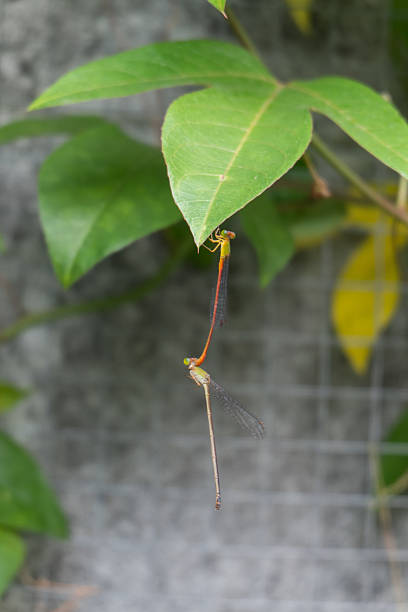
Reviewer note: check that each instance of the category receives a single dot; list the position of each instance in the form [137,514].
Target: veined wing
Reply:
[245,419]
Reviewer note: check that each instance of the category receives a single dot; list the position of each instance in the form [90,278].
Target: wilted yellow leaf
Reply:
[366,295]
[300,12]
[366,215]
[363,215]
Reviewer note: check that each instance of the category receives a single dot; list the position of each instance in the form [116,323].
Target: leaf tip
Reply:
[263,282]
[66,280]
[359,360]
[65,531]
[33,106]
[60,527]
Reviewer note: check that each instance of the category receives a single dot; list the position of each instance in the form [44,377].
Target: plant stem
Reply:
[357,181]
[397,487]
[240,32]
[329,156]
[401,201]
[390,541]
[97,305]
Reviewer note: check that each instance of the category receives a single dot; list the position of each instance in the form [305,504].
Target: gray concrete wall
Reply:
[116,425]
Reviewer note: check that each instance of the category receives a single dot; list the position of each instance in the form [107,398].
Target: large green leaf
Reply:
[26,501]
[394,466]
[43,126]
[270,236]
[219,4]
[224,147]
[167,64]
[98,193]
[12,551]
[9,395]
[363,114]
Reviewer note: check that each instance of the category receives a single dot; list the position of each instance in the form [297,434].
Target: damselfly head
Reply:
[190,362]
[227,234]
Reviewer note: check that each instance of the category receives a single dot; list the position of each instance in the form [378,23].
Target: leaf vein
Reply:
[157,82]
[257,117]
[351,120]
[95,219]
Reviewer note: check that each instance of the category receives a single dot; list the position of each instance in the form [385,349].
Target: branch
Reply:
[390,542]
[329,156]
[240,32]
[357,181]
[98,305]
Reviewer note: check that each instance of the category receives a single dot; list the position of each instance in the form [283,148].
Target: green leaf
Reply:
[26,501]
[269,235]
[167,64]
[223,148]
[311,222]
[98,193]
[219,4]
[9,395]
[66,124]
[2,244]
[363,114]
[394,466]
[12,552]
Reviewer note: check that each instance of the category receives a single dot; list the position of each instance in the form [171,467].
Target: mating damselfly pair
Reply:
[245,419]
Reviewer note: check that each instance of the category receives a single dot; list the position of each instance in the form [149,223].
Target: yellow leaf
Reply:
[369,218]
[300,12]
[363,215]
[309,242]
[366,295]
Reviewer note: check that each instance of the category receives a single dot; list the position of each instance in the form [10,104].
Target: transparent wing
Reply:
[221,305]
[245,419]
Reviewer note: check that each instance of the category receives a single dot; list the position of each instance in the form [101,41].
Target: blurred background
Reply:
[112,418]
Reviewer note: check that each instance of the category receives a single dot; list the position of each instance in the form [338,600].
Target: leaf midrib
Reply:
[108,200]
[269,79]
[344,113]
[237,151]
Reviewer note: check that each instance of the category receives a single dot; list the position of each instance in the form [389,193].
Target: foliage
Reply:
[394,467]
[300,12]
[47,126]
[366,293]
[219,4]
[98,193]
[9,395]
[312,221]
[12,552]
[226,144]
[26,501]
[270,234]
